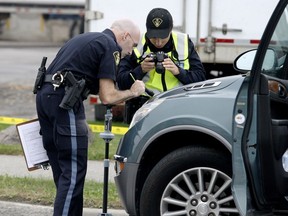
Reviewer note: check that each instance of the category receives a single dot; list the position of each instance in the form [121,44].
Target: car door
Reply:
[260,181]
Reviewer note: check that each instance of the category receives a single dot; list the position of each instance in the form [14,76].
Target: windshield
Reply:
[276,62]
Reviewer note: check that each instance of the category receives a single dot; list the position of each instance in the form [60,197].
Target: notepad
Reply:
[32,145]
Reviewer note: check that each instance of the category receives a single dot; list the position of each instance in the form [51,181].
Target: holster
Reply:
[74,90]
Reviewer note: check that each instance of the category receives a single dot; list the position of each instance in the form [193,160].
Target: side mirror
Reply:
[244,62]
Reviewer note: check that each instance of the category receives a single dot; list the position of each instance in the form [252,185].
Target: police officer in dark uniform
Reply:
[86,63]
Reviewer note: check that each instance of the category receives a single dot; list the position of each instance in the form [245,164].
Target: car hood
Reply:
[200,87]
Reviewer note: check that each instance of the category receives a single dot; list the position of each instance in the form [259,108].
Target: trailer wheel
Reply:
[189,181]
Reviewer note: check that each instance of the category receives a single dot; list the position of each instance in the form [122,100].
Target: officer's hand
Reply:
[168,64]
[137,88]
[147,65]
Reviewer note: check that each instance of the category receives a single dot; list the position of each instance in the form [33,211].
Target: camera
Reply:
[158,58]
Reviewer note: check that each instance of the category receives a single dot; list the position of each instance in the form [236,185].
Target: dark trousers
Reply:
[65,138]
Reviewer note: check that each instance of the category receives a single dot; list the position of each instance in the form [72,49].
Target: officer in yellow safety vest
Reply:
[164,59]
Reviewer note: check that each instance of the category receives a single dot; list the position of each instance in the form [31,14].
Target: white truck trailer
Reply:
[220,29]
[41,20]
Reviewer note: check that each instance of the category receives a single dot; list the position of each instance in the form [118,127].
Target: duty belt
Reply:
[75,89]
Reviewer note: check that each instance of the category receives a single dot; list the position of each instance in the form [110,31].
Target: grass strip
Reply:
[42,192]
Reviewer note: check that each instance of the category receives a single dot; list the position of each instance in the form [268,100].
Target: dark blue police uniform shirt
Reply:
[90,55]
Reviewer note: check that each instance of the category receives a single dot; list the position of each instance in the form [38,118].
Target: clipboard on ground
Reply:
[32,145]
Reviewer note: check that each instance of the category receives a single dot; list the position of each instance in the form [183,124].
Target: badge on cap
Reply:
[116,57]
[157,22]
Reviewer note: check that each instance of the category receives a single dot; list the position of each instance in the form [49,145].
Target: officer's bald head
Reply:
[126,25]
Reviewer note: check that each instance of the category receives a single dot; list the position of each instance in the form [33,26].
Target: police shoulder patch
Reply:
[116,57]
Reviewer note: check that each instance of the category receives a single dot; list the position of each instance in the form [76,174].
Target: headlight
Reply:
[145,110]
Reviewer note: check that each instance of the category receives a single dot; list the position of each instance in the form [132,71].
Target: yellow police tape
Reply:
[94,128]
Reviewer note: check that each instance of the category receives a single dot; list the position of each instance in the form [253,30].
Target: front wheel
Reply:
[189,181]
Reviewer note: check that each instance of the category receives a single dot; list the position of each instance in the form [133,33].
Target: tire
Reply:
[189,181]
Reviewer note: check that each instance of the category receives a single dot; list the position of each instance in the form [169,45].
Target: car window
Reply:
[276,64]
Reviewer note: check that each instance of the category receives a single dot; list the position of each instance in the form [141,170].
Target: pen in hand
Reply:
[149,92]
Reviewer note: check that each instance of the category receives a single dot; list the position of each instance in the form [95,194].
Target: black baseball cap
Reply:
[159,23]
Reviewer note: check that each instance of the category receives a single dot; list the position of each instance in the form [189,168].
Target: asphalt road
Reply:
[19,63]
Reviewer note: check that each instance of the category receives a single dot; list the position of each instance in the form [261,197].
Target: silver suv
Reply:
[217,147]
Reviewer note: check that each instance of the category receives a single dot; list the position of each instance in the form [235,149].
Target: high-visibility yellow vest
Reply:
[152,79]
